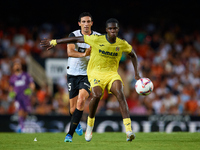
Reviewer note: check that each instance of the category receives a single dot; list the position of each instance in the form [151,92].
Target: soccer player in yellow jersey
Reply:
[102,70]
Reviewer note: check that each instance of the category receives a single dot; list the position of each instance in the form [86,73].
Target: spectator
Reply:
[61,101]
[191,106]
[170,103]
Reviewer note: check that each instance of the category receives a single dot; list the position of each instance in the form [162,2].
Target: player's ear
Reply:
[79,23]
[106,29]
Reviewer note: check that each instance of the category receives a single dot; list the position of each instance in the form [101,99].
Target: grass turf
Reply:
[103,141]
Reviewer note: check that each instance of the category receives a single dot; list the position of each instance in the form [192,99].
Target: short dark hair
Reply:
[83,15]
[112,20]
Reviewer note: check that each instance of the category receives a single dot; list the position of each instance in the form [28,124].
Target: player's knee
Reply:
[120,96]
[72,109]
[80,103]
[97,95]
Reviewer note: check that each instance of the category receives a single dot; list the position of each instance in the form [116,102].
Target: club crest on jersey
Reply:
[95,81]
[117,49]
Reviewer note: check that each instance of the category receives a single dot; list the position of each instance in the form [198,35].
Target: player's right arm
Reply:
[11,93]
[48,44]
[72,53]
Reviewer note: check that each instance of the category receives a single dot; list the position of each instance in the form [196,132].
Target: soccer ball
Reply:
[144,86]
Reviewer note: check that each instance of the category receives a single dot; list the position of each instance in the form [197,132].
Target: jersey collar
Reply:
[90,34]
[109,41]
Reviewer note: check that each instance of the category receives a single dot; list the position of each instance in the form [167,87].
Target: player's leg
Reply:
[97,93]
[83,85]
[24,107]
[73,92]
[73,95]
[22,116]
[72,104]
[117,90]
[84,91]
[77,115]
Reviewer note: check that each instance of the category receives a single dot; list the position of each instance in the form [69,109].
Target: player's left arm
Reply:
[134,60]
[32,86]
[30,89]
[48,43]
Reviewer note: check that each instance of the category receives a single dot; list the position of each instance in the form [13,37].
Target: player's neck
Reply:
[86,33]
[111,40]
[17,73]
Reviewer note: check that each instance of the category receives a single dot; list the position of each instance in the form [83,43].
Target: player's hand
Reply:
[137,76]
[12,94]
[46,43]
[27,92]
[87,51]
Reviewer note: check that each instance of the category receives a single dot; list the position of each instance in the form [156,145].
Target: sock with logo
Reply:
[127,124]
[76,117]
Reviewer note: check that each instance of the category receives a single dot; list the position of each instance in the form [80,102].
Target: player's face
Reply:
[112,29]
[17,67]
[86,24]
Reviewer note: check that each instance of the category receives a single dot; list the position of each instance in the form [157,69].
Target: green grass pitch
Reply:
[101,141]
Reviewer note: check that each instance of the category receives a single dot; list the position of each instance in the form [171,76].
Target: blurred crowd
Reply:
[167,54]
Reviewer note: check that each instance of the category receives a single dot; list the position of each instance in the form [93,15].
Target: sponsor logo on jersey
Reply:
[107,53]
[81,50]
[19,83]
[101,45]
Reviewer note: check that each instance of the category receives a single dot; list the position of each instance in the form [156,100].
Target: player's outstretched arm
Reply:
[134,60]
[48,44]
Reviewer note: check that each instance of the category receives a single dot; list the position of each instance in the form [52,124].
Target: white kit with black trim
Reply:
[78,66]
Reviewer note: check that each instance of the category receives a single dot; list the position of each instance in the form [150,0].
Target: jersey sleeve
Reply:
[71,35]
[30,78]
[90,39]
[127,47]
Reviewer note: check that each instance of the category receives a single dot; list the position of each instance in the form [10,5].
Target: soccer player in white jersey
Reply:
[78,84]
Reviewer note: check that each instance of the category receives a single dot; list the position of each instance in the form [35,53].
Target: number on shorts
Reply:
[69,86]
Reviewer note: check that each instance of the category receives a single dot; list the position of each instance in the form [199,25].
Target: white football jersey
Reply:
[78,66]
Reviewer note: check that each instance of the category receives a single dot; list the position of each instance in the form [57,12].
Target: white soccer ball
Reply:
[144,86]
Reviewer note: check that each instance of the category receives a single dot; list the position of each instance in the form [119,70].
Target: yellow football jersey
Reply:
[105,56]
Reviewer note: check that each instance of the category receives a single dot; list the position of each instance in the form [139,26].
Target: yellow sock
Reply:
[127,124]
[90,121]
